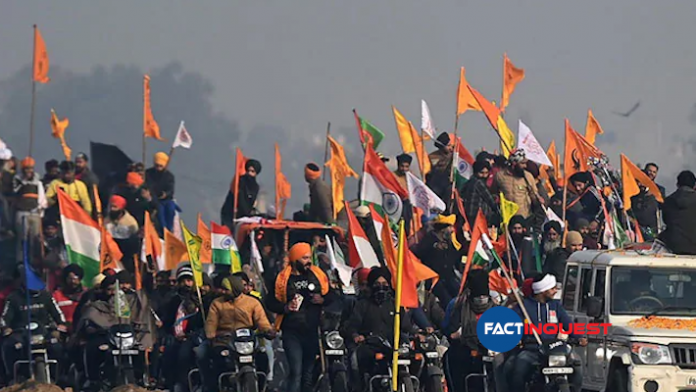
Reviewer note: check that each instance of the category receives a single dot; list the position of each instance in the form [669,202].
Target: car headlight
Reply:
[37,339]
[557,360]
[650,354]
[244,348]
[334,340]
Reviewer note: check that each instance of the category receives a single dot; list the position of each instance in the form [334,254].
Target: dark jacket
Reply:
[463,316]
[320,201]
[556,262]
[248,192]
[433,310]
[137,205]
[307,318]
[44,310]
[679,214]
[369,318]
[441,257]
[475,196]
[543,314]
[160,181]
[644,207]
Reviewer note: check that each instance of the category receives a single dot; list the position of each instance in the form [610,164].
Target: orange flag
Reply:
[283,189]
[631,175]
[553,157]
[41,63]
[340,169]
[592,128]
[175,250]
[480,228]
[58,131]
[577,152]
[240,169]
[511,76]
[507,139]
[411,141]
[465,100]
[205,254]
[153,246]
[138,274]
[109,255]
[150,126]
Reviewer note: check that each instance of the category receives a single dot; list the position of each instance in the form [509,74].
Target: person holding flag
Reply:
[441,167]
[476,196]
[161,183]
[517,184]
[247,193]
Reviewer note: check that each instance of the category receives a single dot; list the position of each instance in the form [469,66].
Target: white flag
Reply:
[551,216]
[338,262]
[183,138]
[421,196]
[531,146]
[255,254]
[427,120]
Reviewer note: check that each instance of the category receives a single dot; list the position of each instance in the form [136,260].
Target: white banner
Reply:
[183,138]
[423,197]
[531,146]
[427,120]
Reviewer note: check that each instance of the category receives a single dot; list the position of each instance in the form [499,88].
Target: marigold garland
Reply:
[663,323]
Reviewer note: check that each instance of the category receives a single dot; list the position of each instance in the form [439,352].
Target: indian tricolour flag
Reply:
[82,237]
[224,248]
[464,164]
[380,187]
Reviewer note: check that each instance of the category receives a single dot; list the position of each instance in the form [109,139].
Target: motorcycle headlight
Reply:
[123,342]
[429,343]
[557,360]
[403,350]
[334,340]
[244,348]
[37,339]
[650,354]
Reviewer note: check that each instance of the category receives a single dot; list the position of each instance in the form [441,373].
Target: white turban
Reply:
[547,283]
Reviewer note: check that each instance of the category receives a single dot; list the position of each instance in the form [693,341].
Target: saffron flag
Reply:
[340,169]
[150,126]
[153,246]
[465,99]
[554,159]
[631,175]
[427,125]
[110,255]
[175,250]
[183,138]
[193,246]
[592,128]
[82,236]
[225,249]
[206,249]
[411,141]
[58,128]
[477,254]
[507,139]
[531,146]
[41,64]
[369,134]
[283,190]
[360,251]
[240,170]
[577,152]
[511,76]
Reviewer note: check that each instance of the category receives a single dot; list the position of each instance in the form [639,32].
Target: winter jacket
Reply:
[438,179]
[644,207]
[476,196]
[551,312]
[556,262]
[320,200]
[441,257]
[432,309]
[67,303]
[518,190]
[370,318]
[44,310]
[123,228]
[463,316]
[679,214]
[160,181]
[136,205]
[230,315]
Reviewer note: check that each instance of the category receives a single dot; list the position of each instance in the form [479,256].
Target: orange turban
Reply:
[298,250]
[161,159]
[312,171]
[118,202]
[134,179]
[28,162]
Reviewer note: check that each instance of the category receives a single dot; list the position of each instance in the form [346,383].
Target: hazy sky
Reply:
[297,64]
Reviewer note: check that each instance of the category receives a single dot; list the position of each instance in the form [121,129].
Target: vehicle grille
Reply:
[684,355]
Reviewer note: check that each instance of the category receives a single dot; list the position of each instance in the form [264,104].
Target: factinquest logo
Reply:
[499,329]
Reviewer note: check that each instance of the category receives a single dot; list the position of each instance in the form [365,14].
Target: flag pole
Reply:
[33,97]
[397,310]
[326,149]
[26,282]
[275,181]
[144,120]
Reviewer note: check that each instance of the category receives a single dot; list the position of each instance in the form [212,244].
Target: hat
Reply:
[517,155]
[362,211]
[312,171]
[477,282]
[28,162]
[67,166]
[581,223]
[161,159]
[185,271]
[75,269]
[448,220]
[443,140]
[404,158]
[574,238]
[546,283]
[376,273]
[118,202]
[98,279]
[134,179]
[298,250]
[253,163]
[82,156]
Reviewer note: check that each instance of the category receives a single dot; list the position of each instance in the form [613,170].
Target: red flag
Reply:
[480,229]
[360,251]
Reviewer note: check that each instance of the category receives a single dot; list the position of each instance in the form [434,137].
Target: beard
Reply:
[518,171]
[551,245]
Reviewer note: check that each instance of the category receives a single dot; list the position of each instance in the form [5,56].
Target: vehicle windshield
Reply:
[660,291]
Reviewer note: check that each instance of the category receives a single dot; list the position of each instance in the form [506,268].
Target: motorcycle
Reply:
[487,374]
[382,378]
[127,355]
[552,372]
[40,364]
[240,359]
[428,362]
[333,374]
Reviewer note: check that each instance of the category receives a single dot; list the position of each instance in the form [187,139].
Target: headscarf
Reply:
[574,238]
[161,158]
[480,165]
[443,140]
[28,162]
[546,283]
[377,273]
[118,202]
[556,226]
[404,158]
[234,284]
[75,269]
[517,155]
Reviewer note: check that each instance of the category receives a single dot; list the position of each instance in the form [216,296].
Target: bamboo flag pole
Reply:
[33,96]
[397,310]
[144,118]
[326,149]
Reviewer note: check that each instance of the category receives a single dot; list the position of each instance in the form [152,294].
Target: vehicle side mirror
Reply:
[595,307]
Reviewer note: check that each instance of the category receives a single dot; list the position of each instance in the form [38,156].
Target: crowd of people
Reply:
[187,326]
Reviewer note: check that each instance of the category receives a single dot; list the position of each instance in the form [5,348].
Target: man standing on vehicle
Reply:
[542,309]
[300,292]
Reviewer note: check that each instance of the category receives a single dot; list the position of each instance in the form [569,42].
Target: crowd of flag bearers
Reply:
[427,249]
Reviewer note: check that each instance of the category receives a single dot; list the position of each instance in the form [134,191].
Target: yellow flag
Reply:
[507,138]
[404,129]
[193,246]
[508,209]
[455,242]
[340,169]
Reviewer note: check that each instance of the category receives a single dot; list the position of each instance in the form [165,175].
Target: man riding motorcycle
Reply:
[374,316]
[542,309]
[44,311]
[230,313]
